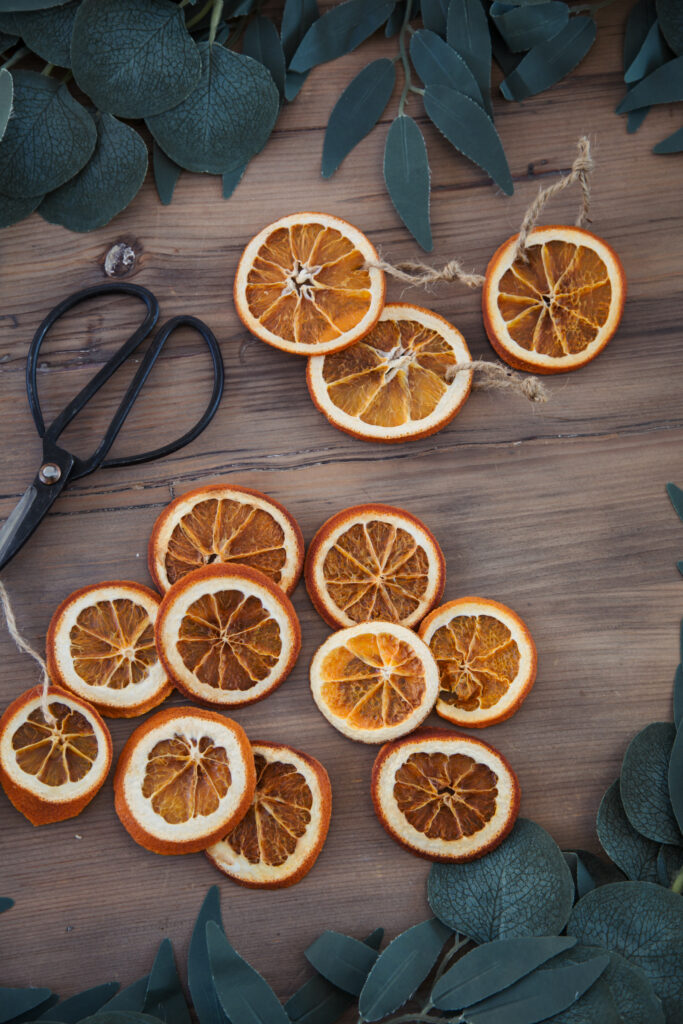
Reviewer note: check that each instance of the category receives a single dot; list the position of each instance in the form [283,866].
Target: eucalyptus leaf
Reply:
[676,497]
[130,998]
[468,34]
[653,53]
[133,58]
[670,15]
[676,778]
[6,903]
[584,881]
[341,29]
[48,139]
[678,696]
[14,1001]
[437,63]
[669,864]
[199,977]
[602,872]
[120,1017]
[164,997]
[435,16]
[243,993]
[344,961]
[401,968]
[7,42]
[29,5]
[547,63]
[407,177]
[72,1010]
[632,852]
[470,130]
[8,22]
[231,180]
[107,184]
[357,111]
[506,60]
[225,120]
[644,783]
[48,32]
[665,85]
[641,17]
[395,20]
[524,27]
[35,1014]
[166,174]
[318,1001]
[297,18]
[262,42]
[294,80]
[671,144]
[6,94]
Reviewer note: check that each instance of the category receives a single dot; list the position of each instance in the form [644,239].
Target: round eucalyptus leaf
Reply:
[6,94]
[107,183]
[30,5]
[48,32]
[14,210]
[645,783]
[670,17]
[633,853]
[133,58]
[227,117]
[48,139]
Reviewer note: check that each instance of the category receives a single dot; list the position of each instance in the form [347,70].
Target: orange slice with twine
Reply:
[443,796]
[278,840]
[374,562]
[100,646]
[375,681]
[302,284]
[227,635]
[556,310]
[50,770]
[223,523]
[486,659]
[184,778]
[397,383]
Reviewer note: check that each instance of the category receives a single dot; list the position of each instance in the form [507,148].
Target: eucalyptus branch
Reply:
[403,52]
[16,56]
[48,69]
[215,20]
[200,14]
[677,884]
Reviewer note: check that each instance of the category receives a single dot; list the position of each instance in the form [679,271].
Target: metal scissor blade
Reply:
[32,506]
[13,524]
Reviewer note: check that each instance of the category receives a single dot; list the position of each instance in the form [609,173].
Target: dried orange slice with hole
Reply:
[50,770]
[227,635]
[184,778]
[374,562]
[443,796]
[375,681]
[396,383]
[278,840]
[558,309]
[100,646]
[302,284]
[486,658]
[221,523]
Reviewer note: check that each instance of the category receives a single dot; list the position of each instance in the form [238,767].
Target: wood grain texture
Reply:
[559,510]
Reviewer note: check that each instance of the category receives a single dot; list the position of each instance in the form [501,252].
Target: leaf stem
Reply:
[215,20]
[21,52]
[677,884]
[200,14]
[48,69]
[404,58]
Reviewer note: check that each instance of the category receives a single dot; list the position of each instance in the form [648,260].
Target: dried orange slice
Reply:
[184,778]
[397,383]
[225,523]
[227,635]
[50,770]
[557,309]
[486,659]
[374,562]
[100,646]
[278,840]
[375,681]
[302,284]
[443,796]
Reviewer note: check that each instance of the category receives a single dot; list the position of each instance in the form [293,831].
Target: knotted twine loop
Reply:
[416,273]
[25,646]
[496,377]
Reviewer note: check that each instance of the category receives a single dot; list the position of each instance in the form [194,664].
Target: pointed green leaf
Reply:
[344,961]
[406,174]
[676,779]
[8,22]
[470,130]
[246,997]
[670,15]
[546,63]
[166,174]
[671,144]
[437,63]
[119,1017]
[584,881]
[641,18]
[665,85]
[164,997]
[14,1001]
[632,852]
[48,32]
[524,27]
[199,978]
[401,968]
[130,998]
[293,83]
[395,20]
[6,94]
[435,16]
[357,111]
[30,5]
[72,1010]
[6,903]
[341,29]
[678,696]
[468,34]
[669,864]
[318,1001]
[653,53]
[644,783]
[297,18]
[262,42]
[676,497]
[601,872]
[231,180]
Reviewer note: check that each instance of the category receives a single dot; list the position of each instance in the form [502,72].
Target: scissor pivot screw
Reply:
[49,473]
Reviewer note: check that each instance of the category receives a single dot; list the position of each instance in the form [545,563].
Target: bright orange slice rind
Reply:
[184,778]
[373,562]
[223,523]
[227,635]
[486,658]
[398,382]
[100,646]
[302,284]
[556,310]
[50,770]
[374,681]
[280,837]
[443,796]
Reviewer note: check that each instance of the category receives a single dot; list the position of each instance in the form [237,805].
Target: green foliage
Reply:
[262,42]
[670,15]
[341,29]
[343,961]
[467,31]
[72,1010]
[16,1001]
[407,177]
[318,1001]
[243,993]
[48,32]
[644,784]
[635,854]
[164,998]
[199,980]
[130,998]
[166,174]
[6,96]
[547,62]
[401,968]
[357,111]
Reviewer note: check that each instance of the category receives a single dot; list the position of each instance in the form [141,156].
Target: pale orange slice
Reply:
[443,796]
[280,837]
[557,309]
[51,769]
[486,658]
[223,523]
[227,635]
[302,284]
[100,646]
[398,382]
[374,562]
[374,681]
[184,778]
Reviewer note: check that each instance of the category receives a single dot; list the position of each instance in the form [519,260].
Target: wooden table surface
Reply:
[557,510]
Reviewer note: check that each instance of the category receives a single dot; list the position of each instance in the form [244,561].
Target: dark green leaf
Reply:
[632,852]
[437,63]
[669,864]
[6,903]
[318,1001]
[671,144]
[293,82]
[29,5]
[676,778]
[6,93]
[641,18]
[246,997]
[602,872]
[642,922]
[670,15]
[36,1013]
[107,184]
[584,881]
[262,42]
[120,1017]
[401,968]
[164,997]
[645,786]
[665,85]
[70,1011]
[341,29]
[133,58]
[468,34]
[225,120]
[199,978]
[48,139]
[297,18]
[547,63]
[395,20]
[7,41]
[469,128]
[130,998]
[344,961]
[506,60]
[166,174]
[524,27]
[406,173]
[678,696]
[357,111]
[653,53]
[676,497]
[48,32]
[492,967]
[435,16]
[231,180]
[14,1001]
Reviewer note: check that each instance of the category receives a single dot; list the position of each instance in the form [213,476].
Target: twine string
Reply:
[415,273]
[491,376]
[25,646]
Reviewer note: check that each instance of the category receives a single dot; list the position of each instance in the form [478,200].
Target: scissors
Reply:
[59,466]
